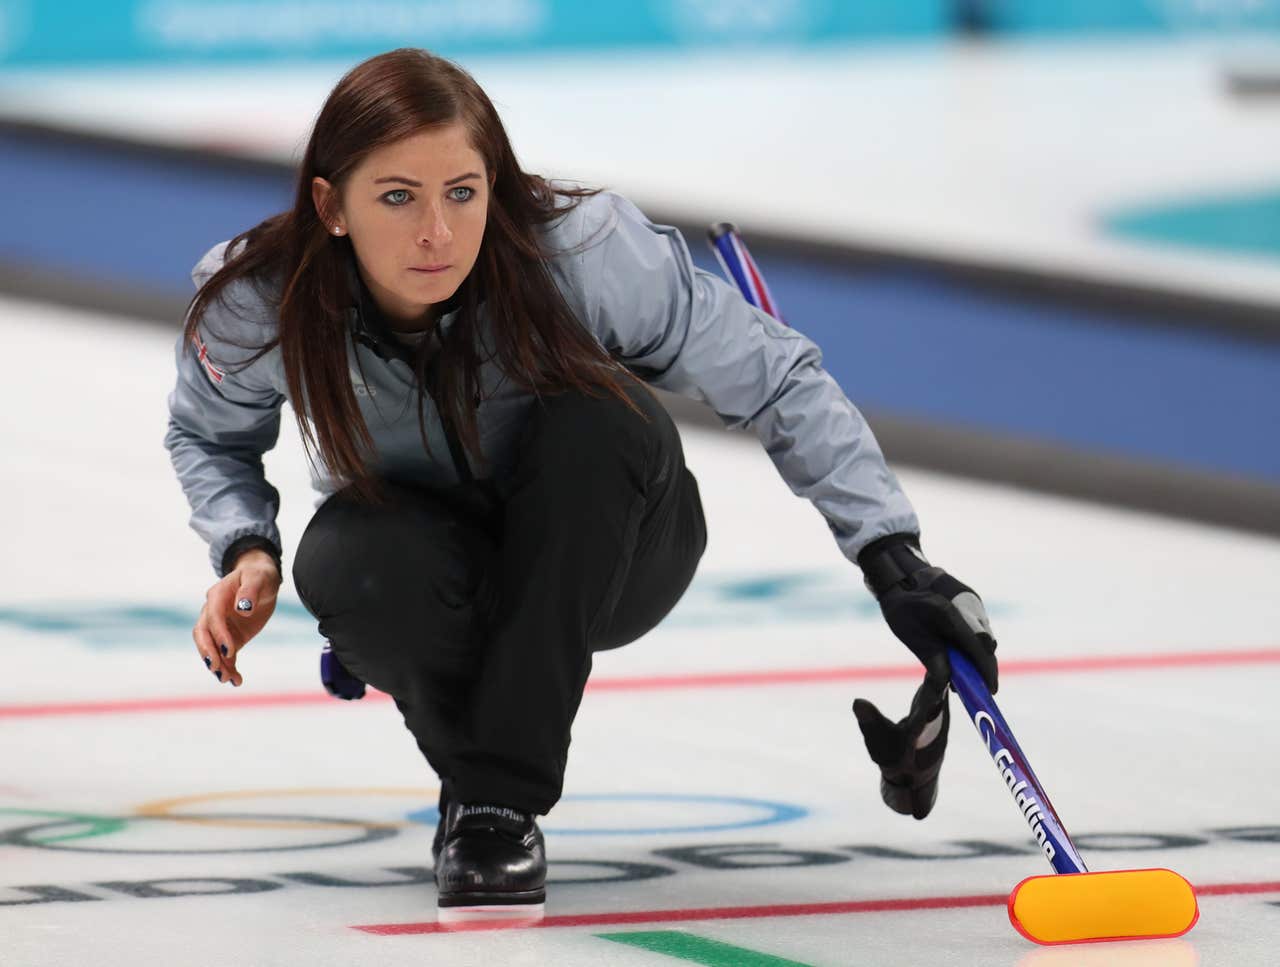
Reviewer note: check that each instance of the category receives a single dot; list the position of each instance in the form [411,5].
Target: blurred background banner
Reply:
[143,31]
[71,32]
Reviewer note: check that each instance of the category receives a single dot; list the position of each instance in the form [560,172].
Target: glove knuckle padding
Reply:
[956,594]
[975,615]
[917,618]
[937,612]
[943,583]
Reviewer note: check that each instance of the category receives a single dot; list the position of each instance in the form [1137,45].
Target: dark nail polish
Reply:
[224,650]
[208,662]
[219,674]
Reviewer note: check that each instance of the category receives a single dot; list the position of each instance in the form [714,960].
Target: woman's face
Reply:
[414,205]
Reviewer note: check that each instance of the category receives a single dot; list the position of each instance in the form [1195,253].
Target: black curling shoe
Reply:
[437,842]
[492,865]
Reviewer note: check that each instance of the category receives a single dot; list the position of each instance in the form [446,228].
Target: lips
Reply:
[428,268]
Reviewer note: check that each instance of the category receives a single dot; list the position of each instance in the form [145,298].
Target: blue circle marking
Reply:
[770,814]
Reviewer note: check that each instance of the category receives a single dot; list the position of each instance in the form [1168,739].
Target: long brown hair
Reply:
[538,343]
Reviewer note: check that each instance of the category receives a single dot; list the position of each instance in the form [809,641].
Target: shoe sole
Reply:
[461,913]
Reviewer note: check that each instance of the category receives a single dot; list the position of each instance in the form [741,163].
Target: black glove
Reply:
[928,609]
[909,753]
[337,681]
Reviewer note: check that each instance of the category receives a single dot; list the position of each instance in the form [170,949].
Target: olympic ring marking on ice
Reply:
[372,832]
[162,808]
[98,825]
[775,812]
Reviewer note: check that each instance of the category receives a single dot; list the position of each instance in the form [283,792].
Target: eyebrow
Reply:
[418,184]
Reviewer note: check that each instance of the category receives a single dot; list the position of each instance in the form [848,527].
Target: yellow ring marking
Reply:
[163,808]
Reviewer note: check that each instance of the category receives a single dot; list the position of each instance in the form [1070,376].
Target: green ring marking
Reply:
[98,825]
[697,950]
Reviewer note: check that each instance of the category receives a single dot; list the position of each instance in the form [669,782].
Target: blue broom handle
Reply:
[1011,761]
[736,261]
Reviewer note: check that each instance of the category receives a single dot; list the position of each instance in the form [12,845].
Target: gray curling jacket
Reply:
[633,285]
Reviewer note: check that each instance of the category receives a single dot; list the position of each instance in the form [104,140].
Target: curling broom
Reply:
[1072,905]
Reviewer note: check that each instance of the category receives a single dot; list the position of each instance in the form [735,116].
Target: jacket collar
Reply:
[370,327]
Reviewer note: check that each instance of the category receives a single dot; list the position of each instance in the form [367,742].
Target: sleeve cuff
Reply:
[248,543]
[886,561]
[884,543]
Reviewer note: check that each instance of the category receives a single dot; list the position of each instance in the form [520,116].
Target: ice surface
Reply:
[284,827]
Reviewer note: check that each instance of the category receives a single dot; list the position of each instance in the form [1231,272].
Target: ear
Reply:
[323,196]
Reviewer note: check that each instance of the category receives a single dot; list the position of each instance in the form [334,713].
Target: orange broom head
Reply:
[1116,905]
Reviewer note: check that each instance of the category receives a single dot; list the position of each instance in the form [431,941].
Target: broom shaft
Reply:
[740,267]
[1015,769]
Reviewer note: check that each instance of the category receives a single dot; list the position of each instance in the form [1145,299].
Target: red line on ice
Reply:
[1027,666]
[762,912]
[706,913]
[737,679]
[1226,889]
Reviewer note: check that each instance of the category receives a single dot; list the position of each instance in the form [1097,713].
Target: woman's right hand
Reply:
[235,609]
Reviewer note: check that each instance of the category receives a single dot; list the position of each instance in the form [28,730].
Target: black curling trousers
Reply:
[481,624]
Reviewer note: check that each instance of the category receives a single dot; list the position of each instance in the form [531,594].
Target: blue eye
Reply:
[391,199]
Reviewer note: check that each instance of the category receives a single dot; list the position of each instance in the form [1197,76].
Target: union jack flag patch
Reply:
[214,372]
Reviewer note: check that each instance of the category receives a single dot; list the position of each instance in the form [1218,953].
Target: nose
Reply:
[435,227]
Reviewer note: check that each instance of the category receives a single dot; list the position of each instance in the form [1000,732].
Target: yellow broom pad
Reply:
[1116,905]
